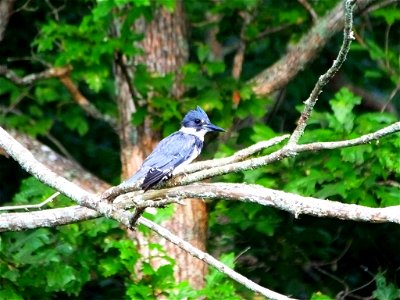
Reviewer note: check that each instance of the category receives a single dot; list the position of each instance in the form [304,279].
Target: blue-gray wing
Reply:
[169,153]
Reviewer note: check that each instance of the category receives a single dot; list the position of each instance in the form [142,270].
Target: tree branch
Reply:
[280,154]
[292,203]
[203,170]
[6,8]
[52,217]
[71,170]
[207,258]
[62,73]
[31,78]
[100,207]
[285,69]
[310,10]
[85,104]
[324,79]
[30,206]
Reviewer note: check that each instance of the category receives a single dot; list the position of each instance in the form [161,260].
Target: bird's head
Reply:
[197,121]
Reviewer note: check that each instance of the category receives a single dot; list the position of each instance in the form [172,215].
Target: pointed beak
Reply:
[212,127]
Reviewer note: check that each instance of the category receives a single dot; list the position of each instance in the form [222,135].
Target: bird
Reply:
[175,151]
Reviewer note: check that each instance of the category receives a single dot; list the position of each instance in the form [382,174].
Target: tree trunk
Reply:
[165,51]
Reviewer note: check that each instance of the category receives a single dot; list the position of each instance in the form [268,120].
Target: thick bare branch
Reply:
[285,69]
[203,165]
[28,162]
[45,218]
[6,8]
[73,214]
[98,206]
[295,204]
[69,169]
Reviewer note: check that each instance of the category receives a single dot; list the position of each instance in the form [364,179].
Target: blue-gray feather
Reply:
[180,147]
[171,152]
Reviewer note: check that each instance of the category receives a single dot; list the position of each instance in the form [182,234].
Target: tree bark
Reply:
[285,69]
[6,7]
[165,50]
[59,164]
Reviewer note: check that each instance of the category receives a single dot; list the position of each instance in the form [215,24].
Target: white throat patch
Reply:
[189,130]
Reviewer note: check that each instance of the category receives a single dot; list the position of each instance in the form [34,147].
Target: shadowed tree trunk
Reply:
[6,7]
[165,51]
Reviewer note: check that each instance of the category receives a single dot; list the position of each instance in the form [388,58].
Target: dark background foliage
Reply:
[305,257]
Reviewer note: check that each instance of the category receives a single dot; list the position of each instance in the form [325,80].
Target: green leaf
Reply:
[140,2]
[26,248]
[375,51]
[356,155]
[203,51]
[332,189]
[139,291]
[8,292]
[46,93]
[75,120]
[169,5]
[342,106]
[267,224]
[32,191]
[110,266]
[390,14]
[58,277]
[320,296]
[139,116]
[96,79]
[262,133]
[9,272]
[246,92]
[383,290]
[389,196]
[214,67]
[102,9]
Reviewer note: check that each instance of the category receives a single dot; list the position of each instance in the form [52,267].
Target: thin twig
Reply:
[207,258]
[238,156]
[31,78]
[310,10]
[239,56]
[324,79]
[378,5]
[269,31]
[391,96]
[62,73]
[281,154]
[60,147]
[30,206]
[84,103]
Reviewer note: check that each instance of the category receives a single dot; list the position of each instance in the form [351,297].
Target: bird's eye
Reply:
[197,121]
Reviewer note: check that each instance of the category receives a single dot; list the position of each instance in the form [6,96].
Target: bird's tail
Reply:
[134,179]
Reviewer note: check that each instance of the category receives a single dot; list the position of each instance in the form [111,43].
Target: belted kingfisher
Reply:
[176,150]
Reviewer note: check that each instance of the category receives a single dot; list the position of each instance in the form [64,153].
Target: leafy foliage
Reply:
[383,290]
